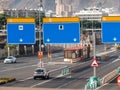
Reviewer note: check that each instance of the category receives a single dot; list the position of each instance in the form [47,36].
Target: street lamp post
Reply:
[18,48]
[94,46]
[40,10]
[94,52]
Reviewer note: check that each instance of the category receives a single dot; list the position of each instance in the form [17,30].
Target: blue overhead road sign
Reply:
[21,32]
[111,29]
[61,30]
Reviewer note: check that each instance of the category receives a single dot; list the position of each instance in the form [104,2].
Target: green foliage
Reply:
[2,20]
[11,46]
[42,15]
[87,24]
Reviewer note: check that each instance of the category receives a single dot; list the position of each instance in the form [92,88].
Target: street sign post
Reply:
[40,64]
[40,54]
[111,29]
[21,31]
[61,30]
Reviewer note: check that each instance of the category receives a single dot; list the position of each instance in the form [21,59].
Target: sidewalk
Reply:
[16,88]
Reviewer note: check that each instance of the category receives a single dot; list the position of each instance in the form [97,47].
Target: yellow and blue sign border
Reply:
[110,29]
[61,30]
[21,31]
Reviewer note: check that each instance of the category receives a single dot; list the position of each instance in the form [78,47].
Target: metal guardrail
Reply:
[109,76]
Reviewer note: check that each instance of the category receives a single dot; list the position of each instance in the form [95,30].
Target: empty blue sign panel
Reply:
[61,32]
[111,29]
[21,33]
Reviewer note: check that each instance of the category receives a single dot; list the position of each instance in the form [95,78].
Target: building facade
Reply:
[91,14]
[63,8]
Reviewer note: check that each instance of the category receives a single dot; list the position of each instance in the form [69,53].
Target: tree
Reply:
[89,24]
[2,20]
[42,15]
[11,46]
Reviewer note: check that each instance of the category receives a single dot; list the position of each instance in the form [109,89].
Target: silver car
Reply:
[41,73]
[10,59]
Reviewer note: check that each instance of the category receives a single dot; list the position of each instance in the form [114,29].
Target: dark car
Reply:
[41,73]
[98,58]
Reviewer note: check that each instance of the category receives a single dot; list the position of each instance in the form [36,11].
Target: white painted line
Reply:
[56,77]
[115,60]
[17,68]
[49,72]
[66,83]
[44,82]
[26,79]
[100,54]
[101,86]
[110,63]
[103,77]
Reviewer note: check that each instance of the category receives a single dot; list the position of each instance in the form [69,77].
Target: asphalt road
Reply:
[24,68]
[112,85]
[80,75]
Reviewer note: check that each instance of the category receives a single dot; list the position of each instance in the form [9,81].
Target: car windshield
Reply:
[9,57]
[40,70]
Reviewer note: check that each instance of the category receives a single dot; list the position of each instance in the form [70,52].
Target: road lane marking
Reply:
[108,73]
[115,60]
[56,76]
[26,79]
[101,86]
[18,68]
[75,80]
[26,67]
[45,81]
[66,83]
[49,72]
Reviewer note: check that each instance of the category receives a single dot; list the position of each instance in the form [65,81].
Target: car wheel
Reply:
[34,78]
[48,77]
[44,77]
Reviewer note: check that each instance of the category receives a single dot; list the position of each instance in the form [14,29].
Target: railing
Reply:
[109,76]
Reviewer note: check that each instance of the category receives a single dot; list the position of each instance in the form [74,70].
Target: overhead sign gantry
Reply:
[61,30]
[21,31]
[111,29]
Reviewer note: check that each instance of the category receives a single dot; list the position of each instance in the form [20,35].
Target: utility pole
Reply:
[94,46]
[18,48]
[40,28]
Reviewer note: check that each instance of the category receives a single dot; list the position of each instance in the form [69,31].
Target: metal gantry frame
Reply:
[94,46]
[40,28]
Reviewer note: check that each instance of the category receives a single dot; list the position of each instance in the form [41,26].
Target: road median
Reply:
[109,77]
[6,80]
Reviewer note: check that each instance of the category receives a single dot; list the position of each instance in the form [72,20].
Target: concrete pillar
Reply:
[33,49]
[25,50]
